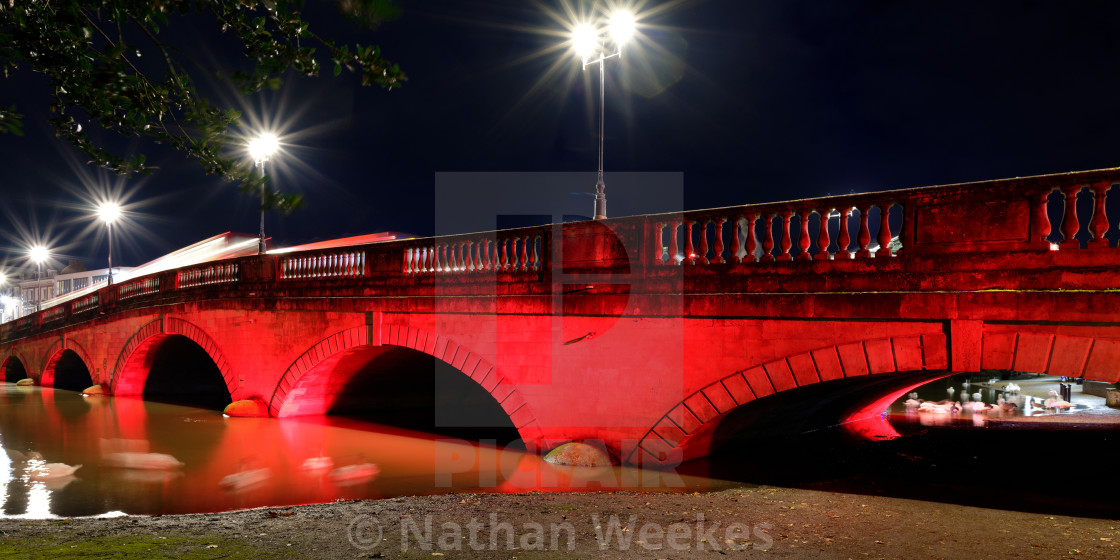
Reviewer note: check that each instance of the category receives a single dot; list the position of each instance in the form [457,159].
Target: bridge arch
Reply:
[684,432]
[6,363]
[55,352]
[132,367]
[471,364]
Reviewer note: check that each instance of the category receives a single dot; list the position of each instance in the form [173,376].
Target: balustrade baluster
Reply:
[768,239]
[787,243]
[524,261]
[1070,224]
[537,264]
[674,247]
[1099,223]
[740,233]
[659,236]
[864,233]
[803,242]
[702,256]
[689,251]
[1044,226]
[845,238]
[823,240]
[885,230]
[752,237]
[718,257]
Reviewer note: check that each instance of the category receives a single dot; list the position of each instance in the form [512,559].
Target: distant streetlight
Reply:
[39,254]
[261,149]
[109,212]
[592,50]
[5,304]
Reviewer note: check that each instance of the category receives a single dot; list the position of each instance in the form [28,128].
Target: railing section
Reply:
[517,250]
[1015,215]
[139,287]
[218,273]
[87,303]
[767,233]
[334,264]
[55,313]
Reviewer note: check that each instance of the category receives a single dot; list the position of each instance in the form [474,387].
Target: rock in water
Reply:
[95,390]
[575,454]
[251,408]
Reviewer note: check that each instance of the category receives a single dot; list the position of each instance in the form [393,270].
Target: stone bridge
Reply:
[644,332]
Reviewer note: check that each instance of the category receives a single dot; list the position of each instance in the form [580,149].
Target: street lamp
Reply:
[592,50]
[38,254]
[109,213]
[261,149]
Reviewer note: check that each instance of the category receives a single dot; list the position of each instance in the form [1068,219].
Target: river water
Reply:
[130,452]
[142,457]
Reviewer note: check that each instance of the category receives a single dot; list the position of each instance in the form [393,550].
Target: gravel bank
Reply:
[763,522]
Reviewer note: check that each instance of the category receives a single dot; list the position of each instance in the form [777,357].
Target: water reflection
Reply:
[139,457]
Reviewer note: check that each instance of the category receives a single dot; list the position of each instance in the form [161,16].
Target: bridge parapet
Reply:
[995,235]
[1012,215]
[523,249]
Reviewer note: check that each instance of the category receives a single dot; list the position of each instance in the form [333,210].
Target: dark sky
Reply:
[734,101]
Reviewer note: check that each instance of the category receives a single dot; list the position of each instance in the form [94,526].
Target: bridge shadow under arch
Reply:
[12,369]
[66,370]
[174,361]
[414,379]
[181,372]
[691,429]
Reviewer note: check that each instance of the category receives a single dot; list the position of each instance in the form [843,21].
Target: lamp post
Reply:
[261,149]
[591,50]
[109,213]
[38,254]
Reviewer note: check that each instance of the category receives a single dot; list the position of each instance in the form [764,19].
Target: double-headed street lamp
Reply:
[109,213]
[261,149]
[39,254]
[592,50]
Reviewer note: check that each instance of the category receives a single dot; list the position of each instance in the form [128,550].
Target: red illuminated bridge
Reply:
[644,332]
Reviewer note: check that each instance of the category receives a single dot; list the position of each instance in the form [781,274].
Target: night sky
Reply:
[723,102]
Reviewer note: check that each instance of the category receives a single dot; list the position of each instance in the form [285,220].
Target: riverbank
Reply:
[744,521]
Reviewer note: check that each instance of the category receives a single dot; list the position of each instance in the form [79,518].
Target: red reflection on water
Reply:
[870,422]
[151,458]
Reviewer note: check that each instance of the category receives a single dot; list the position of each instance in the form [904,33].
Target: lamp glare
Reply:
[263,146]
[109,212]
[584,40]
[622,27]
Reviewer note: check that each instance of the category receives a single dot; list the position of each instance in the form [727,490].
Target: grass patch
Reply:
[129,546]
